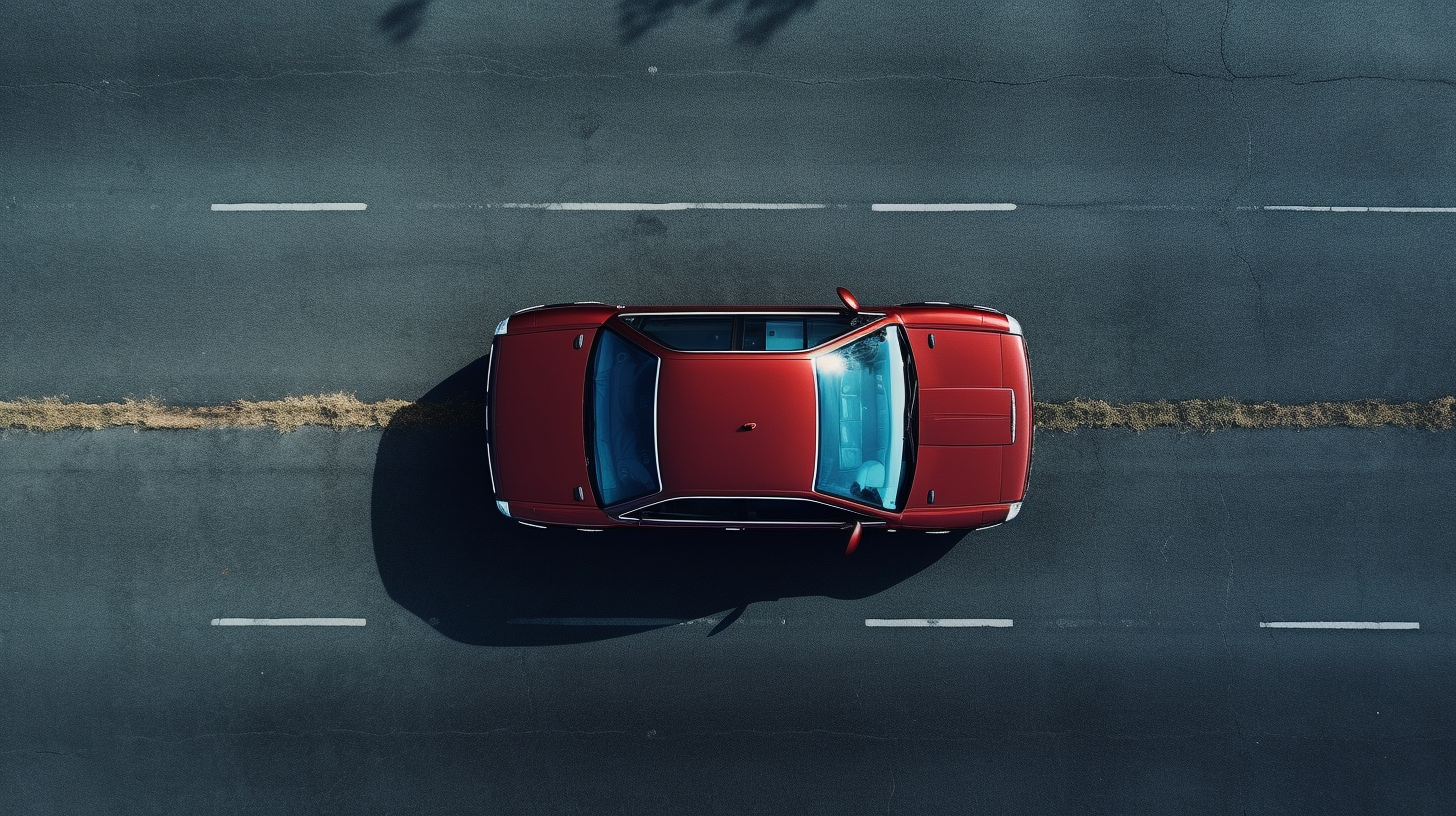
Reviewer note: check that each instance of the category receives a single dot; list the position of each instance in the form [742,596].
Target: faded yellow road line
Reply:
[345,411]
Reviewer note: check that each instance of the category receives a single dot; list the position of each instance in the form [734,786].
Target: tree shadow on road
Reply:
[403,19]
[446,555]
[759,21]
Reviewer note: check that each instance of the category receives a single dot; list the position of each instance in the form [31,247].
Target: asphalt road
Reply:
[1141,145]
[1136,677]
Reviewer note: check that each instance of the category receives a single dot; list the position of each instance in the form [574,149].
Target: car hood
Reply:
[955,417]
[538,424]
[967,418]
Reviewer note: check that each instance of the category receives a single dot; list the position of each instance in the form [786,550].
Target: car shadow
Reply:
[445,554]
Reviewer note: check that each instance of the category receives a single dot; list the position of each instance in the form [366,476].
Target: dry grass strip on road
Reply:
[337,411]
[1226,413]
[345,411]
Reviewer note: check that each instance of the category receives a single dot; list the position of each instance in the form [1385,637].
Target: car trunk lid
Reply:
[538,416]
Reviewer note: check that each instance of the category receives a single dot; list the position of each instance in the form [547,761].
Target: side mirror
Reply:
[854,535]
[849,300]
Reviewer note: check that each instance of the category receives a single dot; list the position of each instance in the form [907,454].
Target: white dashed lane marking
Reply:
[915,623]
[286,207]
[942,207]
[936,622]
[627,206]
[1338,625]
[288,621]
[1305,208]
[618,206]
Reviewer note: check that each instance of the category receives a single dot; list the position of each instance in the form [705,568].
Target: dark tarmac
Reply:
[510,670]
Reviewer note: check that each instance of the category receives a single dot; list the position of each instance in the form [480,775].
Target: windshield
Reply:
[623,432]
[862,419]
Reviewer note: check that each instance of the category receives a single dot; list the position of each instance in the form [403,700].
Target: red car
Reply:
[914,417]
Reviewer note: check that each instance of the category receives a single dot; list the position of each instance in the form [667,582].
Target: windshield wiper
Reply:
[912,404]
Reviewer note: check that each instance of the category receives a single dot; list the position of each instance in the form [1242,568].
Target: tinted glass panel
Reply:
[773,334]
[794,510]
[758,332]
[862,393]
[690,333]
[623,410]
[697,510]
[745,511]
[826,328]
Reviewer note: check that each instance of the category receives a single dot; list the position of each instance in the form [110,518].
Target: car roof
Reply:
[736,424]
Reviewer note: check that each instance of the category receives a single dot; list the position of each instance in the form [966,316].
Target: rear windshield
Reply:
[623,412]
